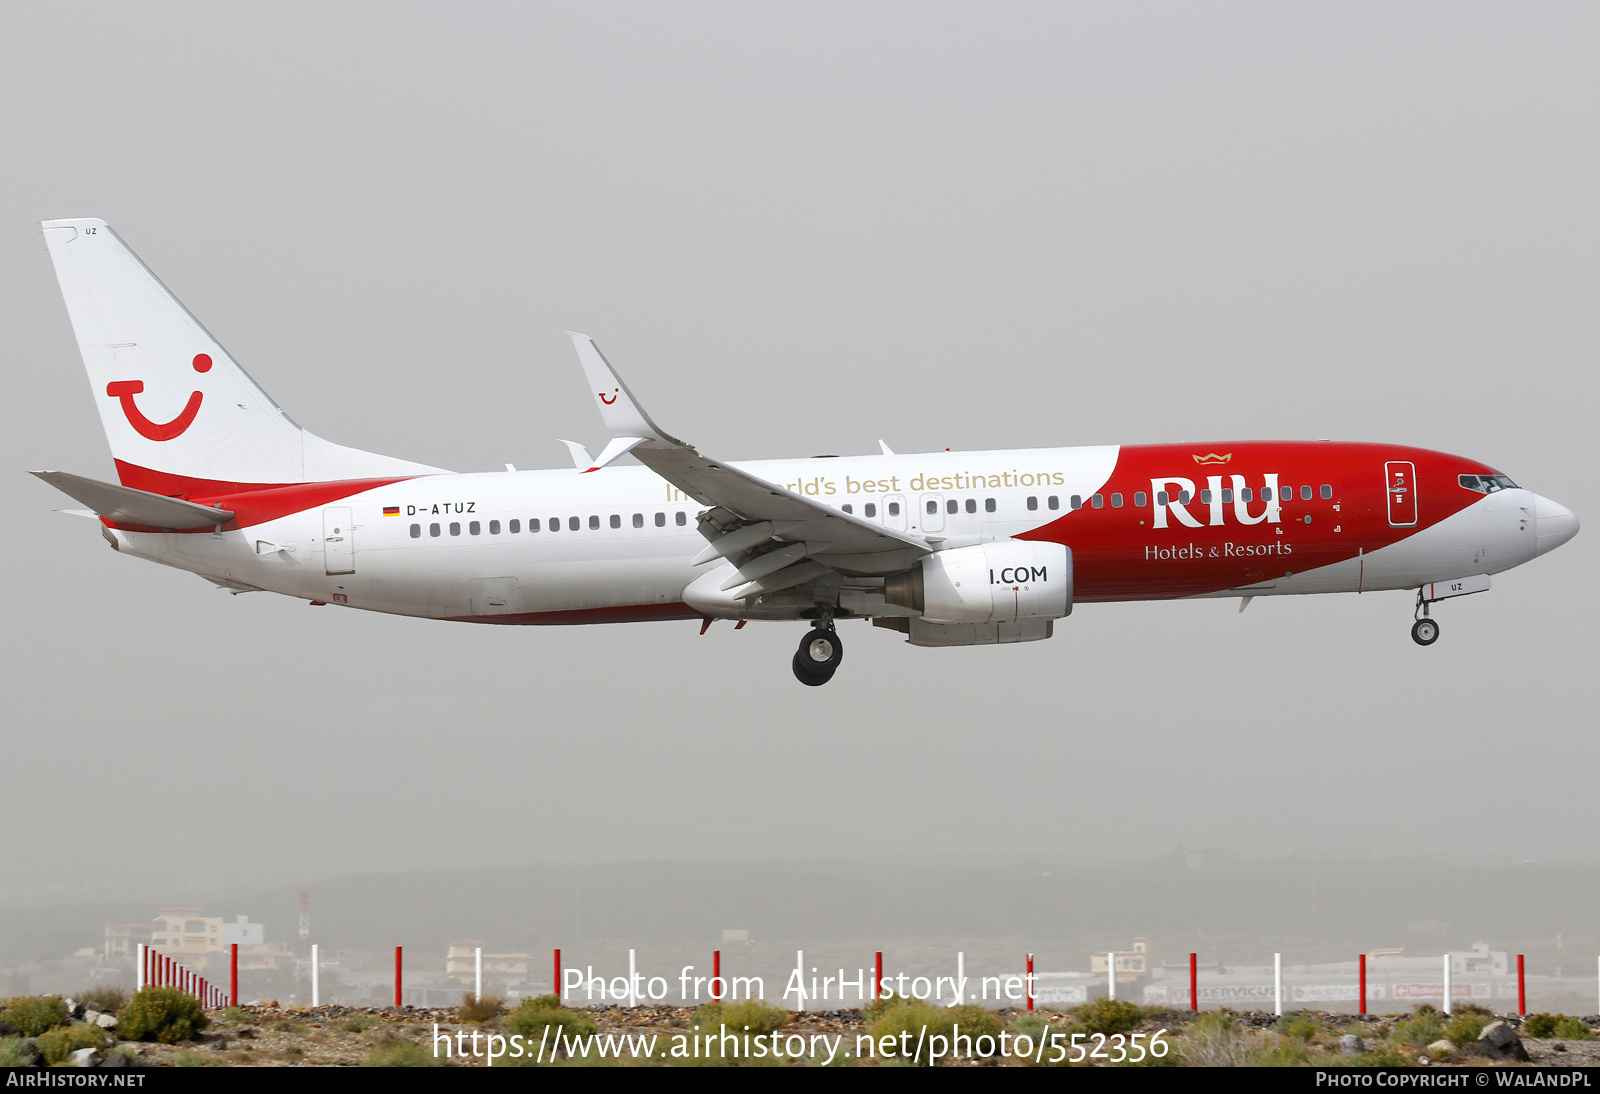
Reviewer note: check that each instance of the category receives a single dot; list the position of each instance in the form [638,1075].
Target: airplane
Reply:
[944,548]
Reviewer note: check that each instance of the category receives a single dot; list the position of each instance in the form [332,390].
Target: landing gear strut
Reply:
[1424,632]
[819,655]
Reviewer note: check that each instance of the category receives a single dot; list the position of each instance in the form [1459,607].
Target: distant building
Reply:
[1480,960]
[1131,964]
[242,933]
[124,939]
[460,964]
[184,932]
[194,940]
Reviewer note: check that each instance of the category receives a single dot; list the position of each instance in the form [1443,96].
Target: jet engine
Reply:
[1012,581]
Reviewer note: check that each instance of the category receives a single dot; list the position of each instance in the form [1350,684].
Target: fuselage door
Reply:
[338,541]
[932,515]
[1402,487]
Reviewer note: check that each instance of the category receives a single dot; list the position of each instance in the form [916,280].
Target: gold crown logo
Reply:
[1212,457]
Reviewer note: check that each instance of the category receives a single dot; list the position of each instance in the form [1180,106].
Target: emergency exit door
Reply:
[338,541]
[1402,476]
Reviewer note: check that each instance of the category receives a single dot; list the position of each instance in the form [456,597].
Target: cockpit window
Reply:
[1487,484]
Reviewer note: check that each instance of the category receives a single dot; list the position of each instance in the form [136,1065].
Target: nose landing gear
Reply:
[819,655]
[1424,632]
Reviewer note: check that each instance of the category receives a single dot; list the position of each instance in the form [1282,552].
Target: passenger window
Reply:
[988,505]
[1227,496]
[933,507]
[1245,494]
[972,506]
[661,520]
[494,528]
[1033,503]
[1162,498]
[1116,501]
[1285,493]
[952,506]
[1053,502]
[616,521]
[1140,498]
[638,520]
[474,527]
[1183,497]
[515,526]
[869,509]
[455,528]
[1098,501]
[555,524]
[594,522]
[1305,493]
[433,529]
[894,509]
[848,508]
[1327,491]
[416,531]
[682,520]
[574,523]
[1205,497]
[1076,501]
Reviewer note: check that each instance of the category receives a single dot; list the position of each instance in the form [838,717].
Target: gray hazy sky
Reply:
[796,229]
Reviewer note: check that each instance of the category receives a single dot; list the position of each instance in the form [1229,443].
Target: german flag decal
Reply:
[391,510]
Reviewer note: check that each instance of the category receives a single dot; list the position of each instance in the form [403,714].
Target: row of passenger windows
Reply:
[870,509]
[1098,501]
[475,528]
[1285,493]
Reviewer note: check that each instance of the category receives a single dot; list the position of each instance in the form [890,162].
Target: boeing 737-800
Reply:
[947,548]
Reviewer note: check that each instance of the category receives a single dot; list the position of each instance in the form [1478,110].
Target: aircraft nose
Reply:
[1555,523]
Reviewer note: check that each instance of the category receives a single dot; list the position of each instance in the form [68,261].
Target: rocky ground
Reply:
[266,1036]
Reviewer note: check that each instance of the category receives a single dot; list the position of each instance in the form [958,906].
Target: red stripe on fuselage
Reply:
[1119,554]
[250,503]
[183,486]
[634,613]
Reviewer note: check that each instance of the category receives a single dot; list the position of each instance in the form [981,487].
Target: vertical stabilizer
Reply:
[180,415]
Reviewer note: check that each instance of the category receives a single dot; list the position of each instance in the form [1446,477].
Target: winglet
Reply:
[621,413]
[619,446]
[885,446]
[580,455]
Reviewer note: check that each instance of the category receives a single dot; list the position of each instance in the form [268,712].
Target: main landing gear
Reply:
[819,655]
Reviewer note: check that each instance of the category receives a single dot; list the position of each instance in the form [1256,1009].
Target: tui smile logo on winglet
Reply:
[158,431]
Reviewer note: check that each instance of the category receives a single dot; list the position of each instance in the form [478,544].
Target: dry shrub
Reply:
[479,1008]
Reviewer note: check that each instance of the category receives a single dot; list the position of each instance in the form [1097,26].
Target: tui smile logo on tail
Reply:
[158,431]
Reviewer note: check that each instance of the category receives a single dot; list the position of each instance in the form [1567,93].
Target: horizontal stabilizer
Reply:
[125,505]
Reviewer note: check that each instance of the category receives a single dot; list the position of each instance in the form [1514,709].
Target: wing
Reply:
[774,537]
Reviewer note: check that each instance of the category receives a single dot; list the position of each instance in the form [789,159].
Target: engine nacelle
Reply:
[1012,581]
